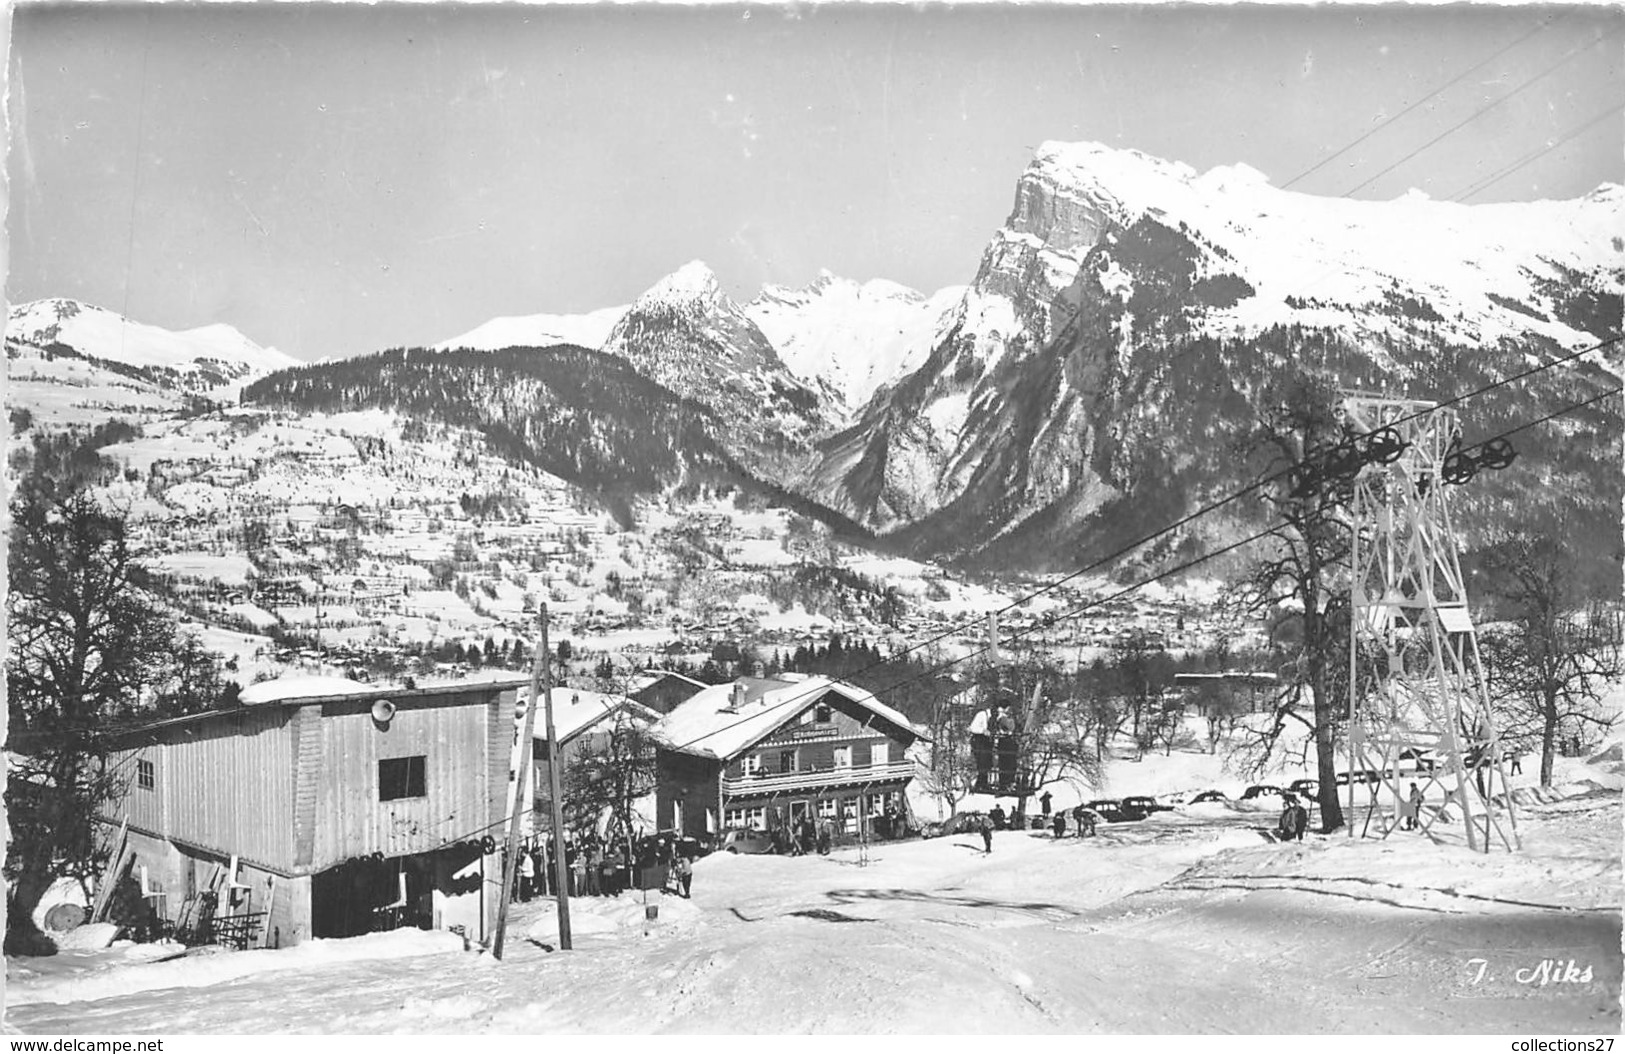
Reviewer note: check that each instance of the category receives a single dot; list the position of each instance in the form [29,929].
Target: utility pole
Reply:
[561,868]
[510,859]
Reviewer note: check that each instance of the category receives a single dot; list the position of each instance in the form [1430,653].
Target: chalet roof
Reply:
[712,723]
[653,677]
[314,691]
[575,710]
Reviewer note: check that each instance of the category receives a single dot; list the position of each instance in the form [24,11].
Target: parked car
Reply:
[959,823]
[1207,796]
[748,841]
[1145,805]
[1259,790]
[1111,810]
[1305,788]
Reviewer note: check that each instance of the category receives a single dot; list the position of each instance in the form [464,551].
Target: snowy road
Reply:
[1187,923]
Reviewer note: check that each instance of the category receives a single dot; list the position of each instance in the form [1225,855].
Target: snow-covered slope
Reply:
[590,330]
[108,335]
[72,363]
[853,337]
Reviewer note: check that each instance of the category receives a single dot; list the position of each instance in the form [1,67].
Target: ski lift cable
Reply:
[1435,93]
[1481,111]
[1449,402]
[804,696]
[1533,156]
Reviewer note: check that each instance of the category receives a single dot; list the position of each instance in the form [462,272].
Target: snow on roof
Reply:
[650,677]
[576,709]
[302,686]
[709,724]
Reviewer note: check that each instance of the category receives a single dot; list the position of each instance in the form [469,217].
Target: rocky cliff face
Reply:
[1100,371]
[686,334]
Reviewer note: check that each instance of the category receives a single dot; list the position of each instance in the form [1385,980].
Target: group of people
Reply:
[1084,820]
[994,749]
[599,867]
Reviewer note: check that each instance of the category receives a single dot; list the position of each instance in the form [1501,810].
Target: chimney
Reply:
[736,698]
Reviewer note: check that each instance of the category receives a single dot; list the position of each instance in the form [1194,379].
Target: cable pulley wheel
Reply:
[1496,454]
[1385,445]
[1458,469]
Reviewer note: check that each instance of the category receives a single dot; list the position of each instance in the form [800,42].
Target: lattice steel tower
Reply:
[1419,695]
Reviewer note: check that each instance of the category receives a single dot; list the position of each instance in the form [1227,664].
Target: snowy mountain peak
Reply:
[693,284]
[104,334]
[590,331]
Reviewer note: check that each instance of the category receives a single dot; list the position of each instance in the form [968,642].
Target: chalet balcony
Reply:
[815,779]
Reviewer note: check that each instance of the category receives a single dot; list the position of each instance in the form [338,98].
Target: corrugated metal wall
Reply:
[223,784]
[453,739]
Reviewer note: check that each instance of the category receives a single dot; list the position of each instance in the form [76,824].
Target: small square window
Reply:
[143,774]
[402,778]
[825,714]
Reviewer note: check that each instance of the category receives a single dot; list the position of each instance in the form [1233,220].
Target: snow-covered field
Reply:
[1193,921]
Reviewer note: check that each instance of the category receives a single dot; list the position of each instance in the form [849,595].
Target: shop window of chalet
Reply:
[144,774]
[843,757]
[879,753]
[826,807]
[787,761]
[403,778]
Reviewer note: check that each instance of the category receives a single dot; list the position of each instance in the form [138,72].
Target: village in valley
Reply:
[1203,619]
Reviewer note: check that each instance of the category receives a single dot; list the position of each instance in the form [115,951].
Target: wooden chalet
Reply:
[322,808]
[768,752]
[663,690]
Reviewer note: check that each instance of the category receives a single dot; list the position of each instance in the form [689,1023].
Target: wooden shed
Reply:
[324,808]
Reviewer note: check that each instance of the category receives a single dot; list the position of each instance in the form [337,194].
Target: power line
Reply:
[1435,93]
[1484,184]
[1476,114]
[1187,565]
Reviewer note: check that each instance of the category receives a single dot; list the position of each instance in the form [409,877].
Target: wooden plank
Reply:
[270,906]
[104,894]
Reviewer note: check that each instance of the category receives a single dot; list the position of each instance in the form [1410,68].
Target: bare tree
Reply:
[1302,585]
[1548,664]
[616,769]
[947,773]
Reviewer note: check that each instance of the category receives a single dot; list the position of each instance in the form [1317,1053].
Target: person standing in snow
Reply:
[685,876]
[997,816]
[1413,814]
[1059,823]
[578,871]
[986,827]
[1044,802]
[527,875]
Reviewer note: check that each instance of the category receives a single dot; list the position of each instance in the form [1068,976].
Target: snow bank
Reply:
[114,974]
[621,916]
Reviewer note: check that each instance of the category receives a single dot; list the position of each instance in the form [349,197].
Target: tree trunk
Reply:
[22,936]
[1331,810]
[1548,746]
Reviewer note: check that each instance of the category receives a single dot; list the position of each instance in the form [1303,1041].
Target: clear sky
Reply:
[335,179]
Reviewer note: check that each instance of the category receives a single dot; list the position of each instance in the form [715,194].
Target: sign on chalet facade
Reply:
[768,752]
